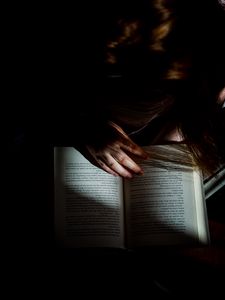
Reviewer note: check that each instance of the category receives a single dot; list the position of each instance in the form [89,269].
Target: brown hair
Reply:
[167,53]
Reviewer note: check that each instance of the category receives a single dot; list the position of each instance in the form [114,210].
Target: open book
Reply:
[165,206]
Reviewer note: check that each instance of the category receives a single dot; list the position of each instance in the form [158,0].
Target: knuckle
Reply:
[120,158]
[101,163]
[115,145]
[112,164]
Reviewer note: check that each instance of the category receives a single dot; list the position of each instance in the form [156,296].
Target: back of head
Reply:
[168,56]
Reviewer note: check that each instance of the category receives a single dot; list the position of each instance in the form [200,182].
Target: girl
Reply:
[163,81]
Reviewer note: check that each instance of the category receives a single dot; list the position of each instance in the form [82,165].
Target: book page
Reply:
[88,203]
[165,207]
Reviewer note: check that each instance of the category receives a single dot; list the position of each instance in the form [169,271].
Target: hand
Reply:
[111,151]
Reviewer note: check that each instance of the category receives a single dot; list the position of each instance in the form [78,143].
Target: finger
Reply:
[95,160]
[123,159]
[106,168]
[127,143]
[116,167]
[131,147]
[117,128]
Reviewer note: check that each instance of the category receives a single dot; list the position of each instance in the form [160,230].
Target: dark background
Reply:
[46,59]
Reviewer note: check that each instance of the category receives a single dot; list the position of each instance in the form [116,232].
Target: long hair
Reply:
[165,58]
